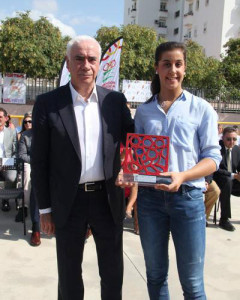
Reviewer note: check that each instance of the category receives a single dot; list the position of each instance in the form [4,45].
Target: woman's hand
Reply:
[177,179]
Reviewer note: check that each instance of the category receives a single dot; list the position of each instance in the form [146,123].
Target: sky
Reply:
[73,17]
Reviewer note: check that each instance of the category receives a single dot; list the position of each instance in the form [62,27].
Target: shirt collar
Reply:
[181,97]
[77,97]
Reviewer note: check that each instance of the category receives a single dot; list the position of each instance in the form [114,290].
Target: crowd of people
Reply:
[77,183]
[17,143]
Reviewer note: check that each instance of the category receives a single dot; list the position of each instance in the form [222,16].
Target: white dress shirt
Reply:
[90,135]
[229,162]
[89,128]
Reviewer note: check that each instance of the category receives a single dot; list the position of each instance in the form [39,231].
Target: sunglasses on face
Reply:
[229,139]
[29,121]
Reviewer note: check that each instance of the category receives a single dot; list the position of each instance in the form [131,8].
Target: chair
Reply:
[13,190]
[216,209]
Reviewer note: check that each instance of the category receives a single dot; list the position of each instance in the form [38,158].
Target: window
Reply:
[206,2]
[176,31]
[195,32]
[177,14]
[163,6]
[197,5]
[129,10]
[189,34]
[205,28]
[162,23]
[190,8]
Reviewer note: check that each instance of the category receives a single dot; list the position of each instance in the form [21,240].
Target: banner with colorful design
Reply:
[136,90]
[14,88]
[108,75]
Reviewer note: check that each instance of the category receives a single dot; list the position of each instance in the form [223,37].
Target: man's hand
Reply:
[120,181]
[47,225]
[237,176]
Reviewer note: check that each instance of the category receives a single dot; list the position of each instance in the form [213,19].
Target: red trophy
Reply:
[146,157]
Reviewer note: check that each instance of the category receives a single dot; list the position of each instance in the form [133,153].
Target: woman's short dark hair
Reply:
[168,46]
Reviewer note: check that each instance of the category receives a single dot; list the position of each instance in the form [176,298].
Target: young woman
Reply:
[24,150]
[26,125]
[177,208]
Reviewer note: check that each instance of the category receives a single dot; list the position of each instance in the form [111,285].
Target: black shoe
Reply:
[5,205]
[226,225]
[19,216]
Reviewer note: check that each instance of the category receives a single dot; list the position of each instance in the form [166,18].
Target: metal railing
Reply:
[222,102]
[39,86]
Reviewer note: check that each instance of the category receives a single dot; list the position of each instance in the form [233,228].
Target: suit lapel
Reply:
[66,111]
[224,155]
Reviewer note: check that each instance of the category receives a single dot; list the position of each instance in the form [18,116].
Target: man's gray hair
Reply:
[80,38]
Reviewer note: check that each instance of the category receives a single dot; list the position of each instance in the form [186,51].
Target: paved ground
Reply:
[30,273]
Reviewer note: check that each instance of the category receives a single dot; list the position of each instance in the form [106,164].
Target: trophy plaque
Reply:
[146,157]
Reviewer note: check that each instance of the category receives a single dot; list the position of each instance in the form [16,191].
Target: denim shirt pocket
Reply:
[183,134]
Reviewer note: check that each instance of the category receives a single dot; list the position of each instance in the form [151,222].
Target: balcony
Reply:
[162,30]
[133,12]
[189,13]
[188,19]
[163,13]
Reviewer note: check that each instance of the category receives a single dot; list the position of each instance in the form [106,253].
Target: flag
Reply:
[64,74]
[108,75]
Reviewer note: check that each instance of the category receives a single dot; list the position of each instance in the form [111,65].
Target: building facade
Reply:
[210,23]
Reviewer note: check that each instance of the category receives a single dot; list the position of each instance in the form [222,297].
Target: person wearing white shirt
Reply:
[228,177]
[8,148]
[75,160]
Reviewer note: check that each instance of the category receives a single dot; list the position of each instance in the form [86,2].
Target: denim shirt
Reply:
[191,124]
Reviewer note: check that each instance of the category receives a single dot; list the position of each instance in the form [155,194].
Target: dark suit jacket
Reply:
[222,171]
[55,152]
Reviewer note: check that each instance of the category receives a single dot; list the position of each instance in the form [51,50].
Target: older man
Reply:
[77,130]
[227,177]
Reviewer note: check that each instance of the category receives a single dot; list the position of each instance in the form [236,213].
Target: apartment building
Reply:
[210,23]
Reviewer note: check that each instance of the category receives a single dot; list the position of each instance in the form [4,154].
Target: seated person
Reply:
[220,131]
[8,147]
[238,136]
[26,125]
[211,195]
[24,154]
[228,177]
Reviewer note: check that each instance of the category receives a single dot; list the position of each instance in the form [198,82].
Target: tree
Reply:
[139,44]
[195,71]
[34,48]
[203,72]
[231,63]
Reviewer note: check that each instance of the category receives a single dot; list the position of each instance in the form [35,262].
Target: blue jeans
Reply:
[183,214]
